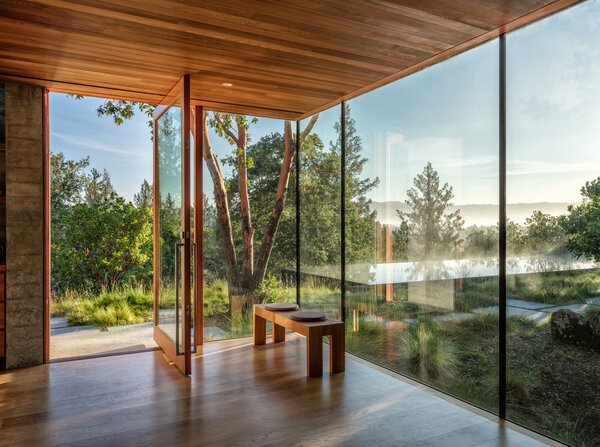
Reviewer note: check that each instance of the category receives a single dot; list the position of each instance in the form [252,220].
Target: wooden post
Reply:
[260,330]
[314,352]
[278,333]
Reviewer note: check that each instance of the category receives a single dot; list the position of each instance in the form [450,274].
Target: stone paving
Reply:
[537,312]
[70,341]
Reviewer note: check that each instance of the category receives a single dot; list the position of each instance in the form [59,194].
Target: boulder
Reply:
[573,328]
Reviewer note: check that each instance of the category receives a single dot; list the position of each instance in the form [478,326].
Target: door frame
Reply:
[181,90]
[198,224]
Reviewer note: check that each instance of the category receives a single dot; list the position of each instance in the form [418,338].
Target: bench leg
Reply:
[314,355]
[337,351]
[278,333]
[260,330]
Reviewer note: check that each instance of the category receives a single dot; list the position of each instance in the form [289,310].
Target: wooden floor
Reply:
[239,395]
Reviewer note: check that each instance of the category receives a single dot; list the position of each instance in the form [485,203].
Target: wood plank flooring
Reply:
[239,395]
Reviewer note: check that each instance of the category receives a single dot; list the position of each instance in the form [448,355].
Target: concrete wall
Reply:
[24,230]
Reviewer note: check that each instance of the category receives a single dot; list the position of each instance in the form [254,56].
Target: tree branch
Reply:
[268,241]
[227,130]
[223,215]
[308,129]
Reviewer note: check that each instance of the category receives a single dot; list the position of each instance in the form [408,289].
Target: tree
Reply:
[481,242]
[582,223]
[360,218]
[432,231]
[143,199]
[98,187]
[234,128]
[67,182]
[543,233]
[114,241]
[515,238]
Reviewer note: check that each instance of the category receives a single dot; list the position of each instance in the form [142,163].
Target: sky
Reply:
[446,114]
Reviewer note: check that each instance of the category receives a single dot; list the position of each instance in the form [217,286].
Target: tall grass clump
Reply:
[429,354]
[118,306]
[216,298]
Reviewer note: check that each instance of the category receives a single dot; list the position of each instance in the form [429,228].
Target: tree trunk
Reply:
[282,189]
[223,216]
[247,229]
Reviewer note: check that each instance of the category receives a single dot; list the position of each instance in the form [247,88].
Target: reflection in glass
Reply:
[553,98]
[421,226]
[169,129]
[320,214]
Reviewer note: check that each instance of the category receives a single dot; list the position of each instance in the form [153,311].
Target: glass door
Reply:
[172,232]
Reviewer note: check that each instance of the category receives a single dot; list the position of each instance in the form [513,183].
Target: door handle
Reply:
[178,245]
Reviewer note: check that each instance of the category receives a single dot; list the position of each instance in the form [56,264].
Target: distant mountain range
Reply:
[475,214]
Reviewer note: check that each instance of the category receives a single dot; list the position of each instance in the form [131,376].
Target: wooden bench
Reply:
[314,333]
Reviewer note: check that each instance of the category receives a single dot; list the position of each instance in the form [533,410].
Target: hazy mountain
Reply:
[475,214]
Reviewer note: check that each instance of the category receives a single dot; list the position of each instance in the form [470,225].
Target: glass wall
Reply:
[320,220]
[421,226]
[553,195]
[421,212]
[249,257]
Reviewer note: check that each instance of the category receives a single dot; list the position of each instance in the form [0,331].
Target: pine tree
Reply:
[432,231]
[143,199]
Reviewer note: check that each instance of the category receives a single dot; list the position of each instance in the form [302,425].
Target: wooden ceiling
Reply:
[284,58]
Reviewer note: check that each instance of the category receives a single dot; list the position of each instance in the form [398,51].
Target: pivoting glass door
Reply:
[172,232]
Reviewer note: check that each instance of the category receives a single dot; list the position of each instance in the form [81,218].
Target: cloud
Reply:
[526,167]
[87,143]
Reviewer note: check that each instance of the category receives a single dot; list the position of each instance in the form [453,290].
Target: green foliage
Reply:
[144,199]
[240,324]
[98,188]
[360,219]
[478,293]
[582,224]
[481,242]
[544,233]
[111,307]
[97,238]
[67,183]
[272,290]
[395,310]
[430,354]
[555,287]
[263,177]
[481,323]
[101,245]
[433,232]
[216,300]
[121,111]
[541,234]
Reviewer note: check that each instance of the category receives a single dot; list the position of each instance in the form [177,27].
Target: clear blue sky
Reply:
[447,114]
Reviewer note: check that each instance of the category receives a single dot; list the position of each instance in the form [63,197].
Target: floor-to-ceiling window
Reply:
[249,220]
[421,226]
[320,220]
[553,196]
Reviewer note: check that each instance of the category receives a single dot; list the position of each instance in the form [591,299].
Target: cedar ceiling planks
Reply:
[285,58]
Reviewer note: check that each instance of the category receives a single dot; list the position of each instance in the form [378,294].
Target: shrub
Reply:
[240,324]
[396,310]
[216,298]
[271,290]
[111,307]
[429,354]
[481,322]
